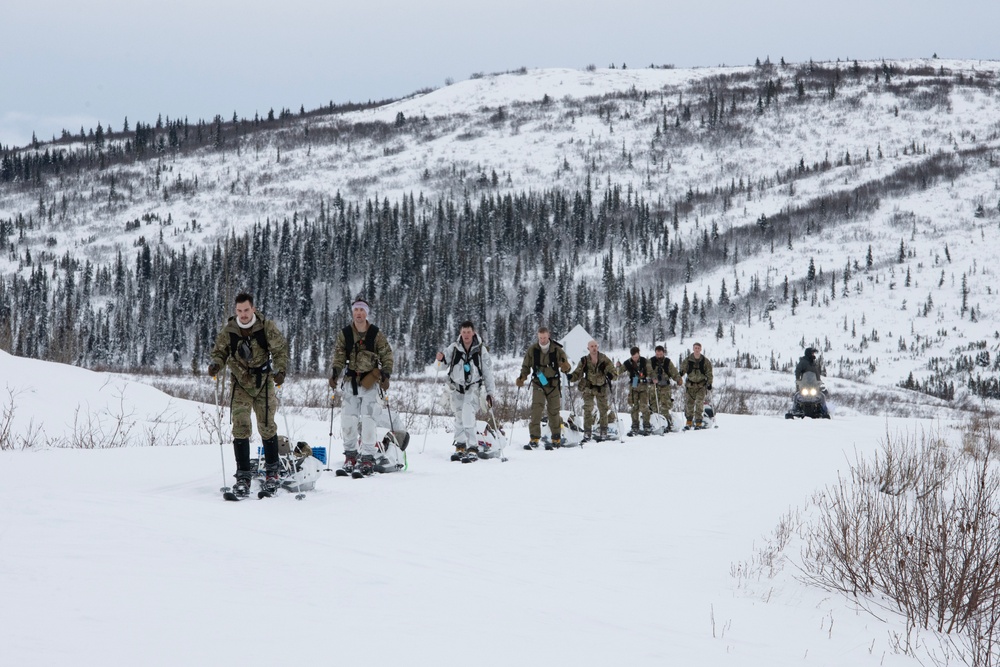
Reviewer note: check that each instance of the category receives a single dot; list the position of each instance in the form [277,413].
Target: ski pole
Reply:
[513,416]
[430,408]
[385,397]
[290,456]
[329,446]
[618,417]
[218,423]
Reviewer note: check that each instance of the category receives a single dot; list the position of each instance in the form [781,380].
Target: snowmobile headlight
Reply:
[812,391]
[804,392]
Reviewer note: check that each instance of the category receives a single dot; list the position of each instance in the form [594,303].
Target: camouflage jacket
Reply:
[662,371]
[593,375]
[546,363]
[253,354]
[699,371]
[364,355]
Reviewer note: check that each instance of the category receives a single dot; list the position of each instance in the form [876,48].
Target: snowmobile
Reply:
[809,399]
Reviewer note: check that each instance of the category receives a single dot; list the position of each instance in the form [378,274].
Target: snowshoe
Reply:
[553,443]
[241,489]
[270,485]
[350,461]
[366,468]
[471,454]
[459,452]
[532,444]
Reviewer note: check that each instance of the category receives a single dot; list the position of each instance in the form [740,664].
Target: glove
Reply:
[279,378]
[214,368]
[565,367]
[519,381]
[489,400]
[384,383]
[334,378]
[709,387]
[439,356]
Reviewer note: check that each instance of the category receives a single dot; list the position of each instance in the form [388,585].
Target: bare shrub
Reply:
[917,531]
[7,421]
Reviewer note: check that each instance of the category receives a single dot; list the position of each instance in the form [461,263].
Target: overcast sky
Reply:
[67,64]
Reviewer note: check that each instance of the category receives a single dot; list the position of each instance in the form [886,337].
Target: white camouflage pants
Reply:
[360,411]
[465,406]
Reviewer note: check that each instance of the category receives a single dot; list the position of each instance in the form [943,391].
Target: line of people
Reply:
[256,355]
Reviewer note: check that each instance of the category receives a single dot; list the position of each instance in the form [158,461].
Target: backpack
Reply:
[553,362]
[700,365]
[259,336]
[366,343]
[474,353]
[639,369]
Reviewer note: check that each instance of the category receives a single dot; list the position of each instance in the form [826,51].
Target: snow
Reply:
[609,553]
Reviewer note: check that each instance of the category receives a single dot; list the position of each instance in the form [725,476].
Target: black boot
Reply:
[241,449]
[271,464]
[244,473]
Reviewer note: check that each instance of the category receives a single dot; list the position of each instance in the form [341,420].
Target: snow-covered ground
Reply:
[614,553]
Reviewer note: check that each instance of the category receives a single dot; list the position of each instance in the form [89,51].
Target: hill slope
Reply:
[851,206]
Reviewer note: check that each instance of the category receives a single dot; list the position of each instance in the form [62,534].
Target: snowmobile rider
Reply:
[364,354]
[698,369]
[543,361]
[470,375]
[662,371]
[257,356]
[638,395]
[807,364]
[595,373]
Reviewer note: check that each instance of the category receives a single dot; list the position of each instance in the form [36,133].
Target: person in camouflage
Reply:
[256,354]
[470,375]
[662,371]
[594,373]
[365,356]
[698,369]
[638,395]
[543,362]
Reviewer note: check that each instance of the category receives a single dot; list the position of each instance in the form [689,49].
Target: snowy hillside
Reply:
[658,550]
[852,206]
